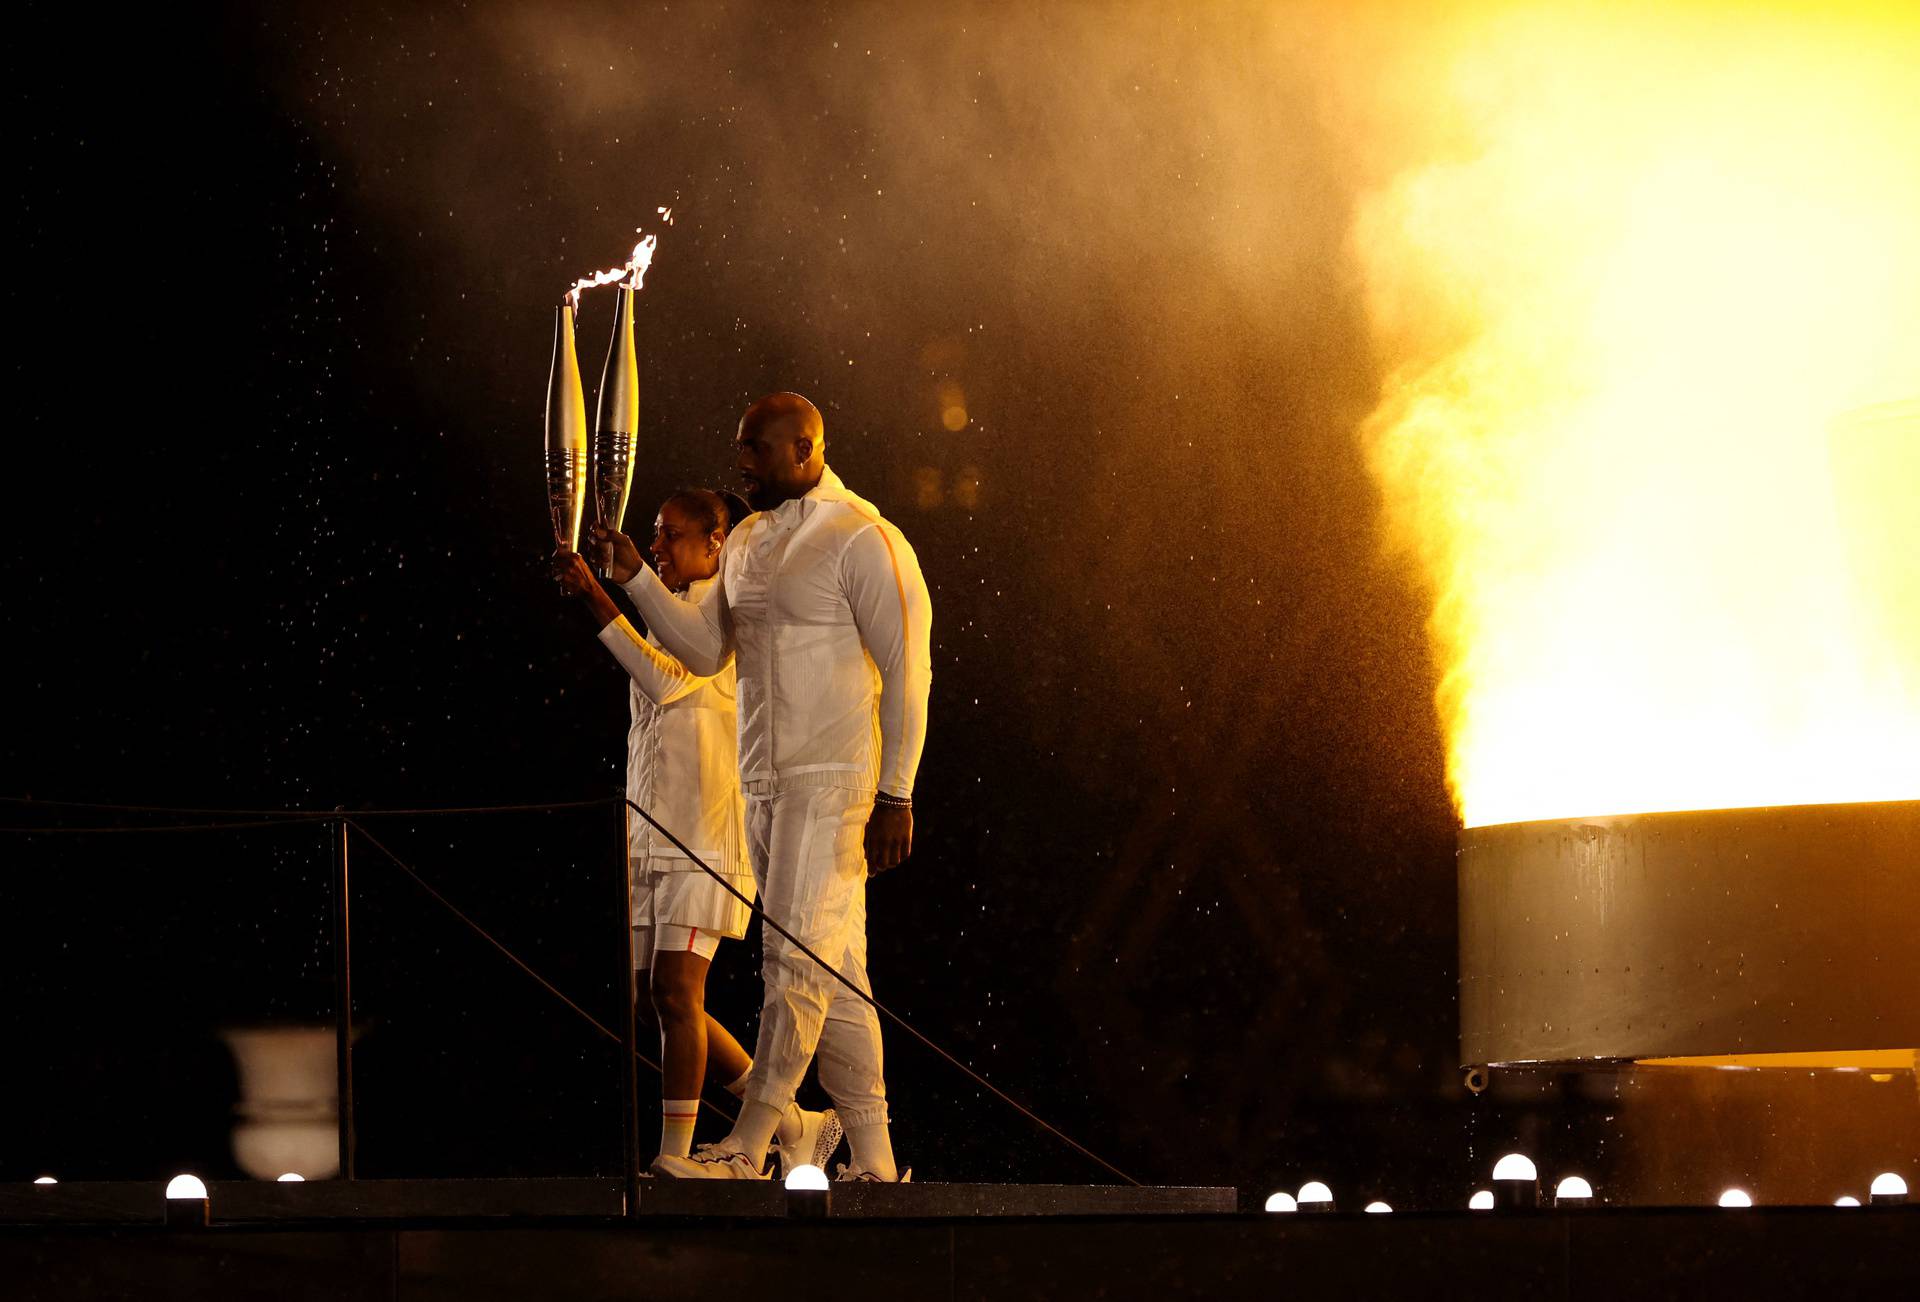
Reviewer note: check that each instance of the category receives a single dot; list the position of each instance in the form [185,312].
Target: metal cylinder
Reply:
[618,420]
[566,435]
[1790,929]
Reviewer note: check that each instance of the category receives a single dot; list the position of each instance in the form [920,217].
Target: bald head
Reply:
[780,450]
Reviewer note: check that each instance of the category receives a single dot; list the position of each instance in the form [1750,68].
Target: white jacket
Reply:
[823,603]
[682,759]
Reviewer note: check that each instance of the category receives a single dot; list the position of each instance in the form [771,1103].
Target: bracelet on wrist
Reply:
[892,801]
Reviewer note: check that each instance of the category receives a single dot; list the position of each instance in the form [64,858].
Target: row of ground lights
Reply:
[1516,1185]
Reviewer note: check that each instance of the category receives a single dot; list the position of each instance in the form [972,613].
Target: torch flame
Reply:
[1625,324]
[633,271]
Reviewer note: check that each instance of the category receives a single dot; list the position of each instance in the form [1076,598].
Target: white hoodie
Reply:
[823,602]
[682,758]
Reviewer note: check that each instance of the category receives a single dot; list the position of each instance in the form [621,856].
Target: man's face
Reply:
[682,552]
[767,462]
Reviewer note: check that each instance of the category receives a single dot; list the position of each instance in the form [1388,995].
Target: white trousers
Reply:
[810,862]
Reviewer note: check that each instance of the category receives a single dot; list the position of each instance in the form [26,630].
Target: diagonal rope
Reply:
[512,957]
[883,1010]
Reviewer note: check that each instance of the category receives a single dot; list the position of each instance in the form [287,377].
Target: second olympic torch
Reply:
[566,436]
[618,419]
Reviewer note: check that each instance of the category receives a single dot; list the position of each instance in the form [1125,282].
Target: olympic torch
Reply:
[618,419]
[566,436]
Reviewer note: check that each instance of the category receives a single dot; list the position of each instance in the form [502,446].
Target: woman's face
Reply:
[682,551]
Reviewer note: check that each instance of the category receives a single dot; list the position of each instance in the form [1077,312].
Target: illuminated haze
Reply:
[1582,289]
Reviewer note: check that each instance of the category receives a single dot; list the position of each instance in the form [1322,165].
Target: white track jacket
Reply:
[682,757]
[822,602]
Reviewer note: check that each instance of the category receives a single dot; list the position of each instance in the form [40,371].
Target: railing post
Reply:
[629,1066]
[343,996]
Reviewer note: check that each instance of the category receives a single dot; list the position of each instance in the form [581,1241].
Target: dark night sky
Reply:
[282,299]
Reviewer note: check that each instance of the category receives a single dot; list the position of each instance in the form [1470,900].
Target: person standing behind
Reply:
[682,768]
[823,603]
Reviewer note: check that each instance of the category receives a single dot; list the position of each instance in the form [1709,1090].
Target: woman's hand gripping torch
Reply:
[618,555]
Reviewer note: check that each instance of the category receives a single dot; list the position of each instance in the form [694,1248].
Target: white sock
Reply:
[790,1124]
[872,1150]
[676,1126]
[754,1130]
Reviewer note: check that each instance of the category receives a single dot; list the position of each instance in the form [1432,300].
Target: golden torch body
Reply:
[566,436]
[618,419]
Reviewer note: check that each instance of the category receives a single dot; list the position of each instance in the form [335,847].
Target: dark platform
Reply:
[248,1201]
[1545,1257]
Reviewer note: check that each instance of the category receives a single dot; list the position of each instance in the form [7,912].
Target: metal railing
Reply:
[344,824]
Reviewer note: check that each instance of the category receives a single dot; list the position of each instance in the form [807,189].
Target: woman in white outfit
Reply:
[683,768]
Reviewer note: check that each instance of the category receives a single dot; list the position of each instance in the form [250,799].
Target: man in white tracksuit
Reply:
[822,602]
[682,767]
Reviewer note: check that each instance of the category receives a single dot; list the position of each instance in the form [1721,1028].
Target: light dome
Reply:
[186,1186]
[1315,1192]
[807,1176]
[1515,1166]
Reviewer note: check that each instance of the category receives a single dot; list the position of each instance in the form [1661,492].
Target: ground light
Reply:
[291,1177]
[187,1205]
[1516,1182]
[1281,1202]
[1377,1207]
[1888,1190]
[805,1176]
[1573,1191]
[1315,1197]
[1846,1200]
[808,1192]
[45,1179]
[1482,1201]
[1736,1198]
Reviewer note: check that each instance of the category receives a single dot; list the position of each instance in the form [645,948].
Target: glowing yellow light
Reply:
[1653,334]
[954,418]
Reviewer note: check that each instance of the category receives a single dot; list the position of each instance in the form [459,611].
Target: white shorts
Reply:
[651,942]
[682,910]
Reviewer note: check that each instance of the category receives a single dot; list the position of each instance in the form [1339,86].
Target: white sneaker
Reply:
[709,1162]
[820,1135]
[849,1174]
